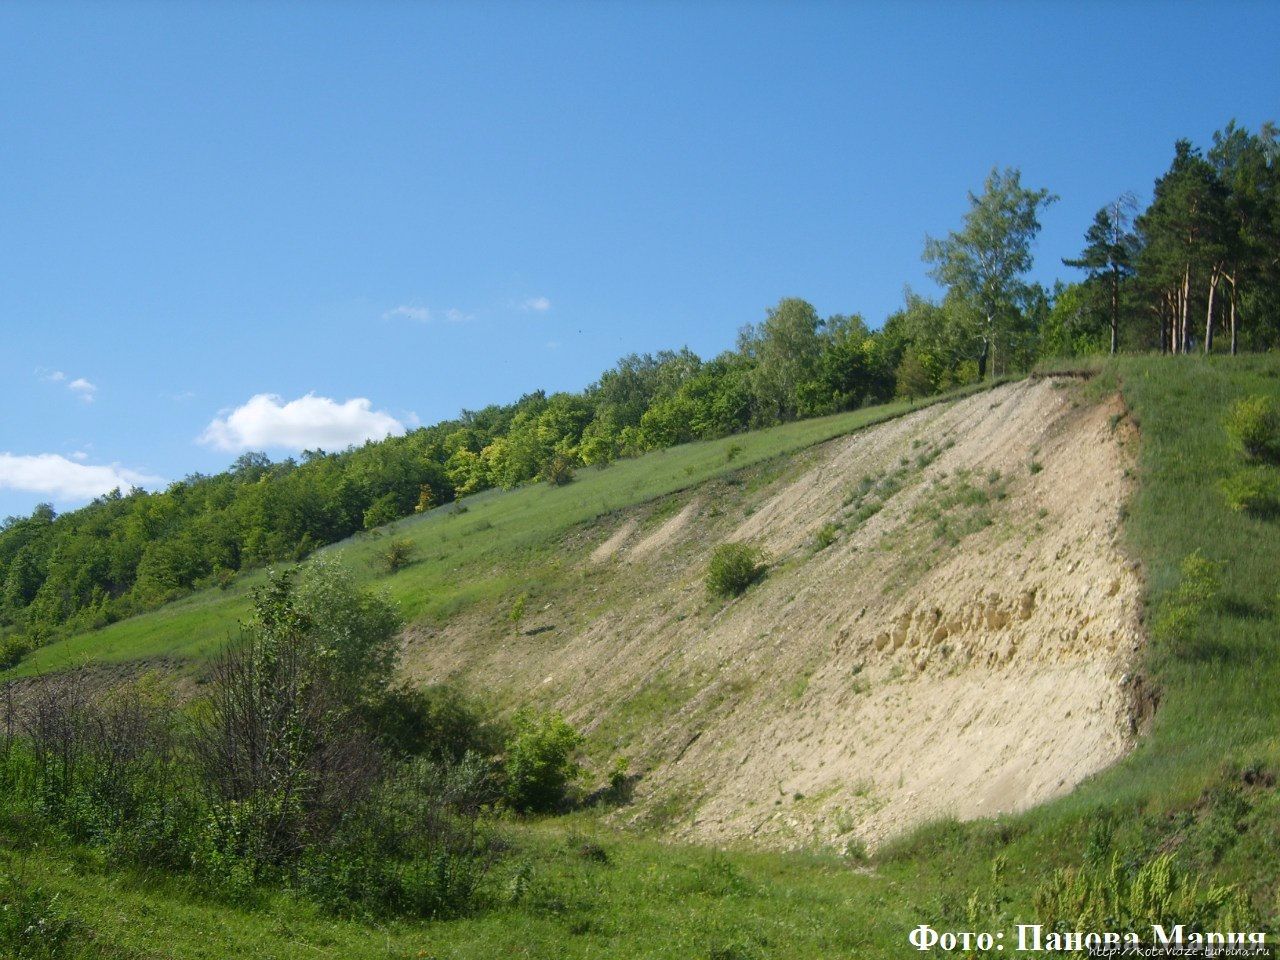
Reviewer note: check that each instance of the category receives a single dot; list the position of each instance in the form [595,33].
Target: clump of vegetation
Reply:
[516,613]
[960,507]
[733,568]
[540,762]
[301,767]
[1253,424]
[426,499]
[1254,490]
[385,509]
[827,535]
[12,649]
[1134,898]
[436,722]
[398,555]
[619,779]
[558,470]
[34,925]
[1197,593]
[866,511]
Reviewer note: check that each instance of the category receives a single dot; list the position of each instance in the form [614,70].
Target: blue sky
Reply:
[406,209]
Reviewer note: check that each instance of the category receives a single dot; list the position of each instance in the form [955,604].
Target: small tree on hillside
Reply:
[280,743]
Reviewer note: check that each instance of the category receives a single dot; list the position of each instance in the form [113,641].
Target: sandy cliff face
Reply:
[964,646]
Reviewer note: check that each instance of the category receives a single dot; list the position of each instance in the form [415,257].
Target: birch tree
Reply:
[984,264]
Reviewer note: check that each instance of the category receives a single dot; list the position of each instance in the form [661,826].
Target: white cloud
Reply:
[536,304]
[426,315]
[83,389]
[420,314]
[307,423]
[55,476]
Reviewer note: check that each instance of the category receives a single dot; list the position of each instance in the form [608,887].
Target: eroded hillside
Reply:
[963,645]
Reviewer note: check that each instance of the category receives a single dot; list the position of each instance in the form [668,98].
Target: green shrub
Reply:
[540,766]
[412,851]
[398,555]
[733,568]
[1201,582]
[558,471]
[13,649]
[517,609]
[827,535]
[1197,593]
[355,633]
[383,510]
[435,721]
[300,767]
[619,778]
[1254,490]
[34,925]
[1254,425]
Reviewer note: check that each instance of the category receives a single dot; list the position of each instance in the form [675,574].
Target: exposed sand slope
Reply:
[610,547]
[964,650]
[665,535]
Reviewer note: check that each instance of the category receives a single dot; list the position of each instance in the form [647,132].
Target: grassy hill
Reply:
[1200,786]
[484,538]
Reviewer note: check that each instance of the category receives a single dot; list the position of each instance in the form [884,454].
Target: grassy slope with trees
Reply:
[501,536]
[1203,256]
[1200,789]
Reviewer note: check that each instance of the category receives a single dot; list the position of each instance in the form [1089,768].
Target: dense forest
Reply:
[1197,270]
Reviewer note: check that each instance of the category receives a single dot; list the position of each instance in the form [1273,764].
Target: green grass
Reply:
[480,549]
[1201,784]
[1221,697]
[647,900]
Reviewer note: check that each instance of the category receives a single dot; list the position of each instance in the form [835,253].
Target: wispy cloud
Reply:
[427,315]
[407,312]
[536,304]
[307,423]
[53,475]
[83,389]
